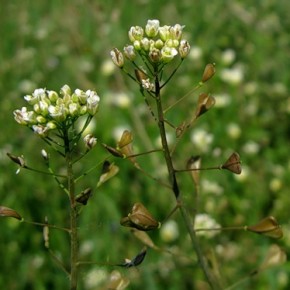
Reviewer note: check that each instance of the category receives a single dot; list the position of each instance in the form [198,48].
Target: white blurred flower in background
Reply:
[233,130]
[201,139]
[205,221]
[228,56]
[195,53]
[95,277]
[251,147]
[169,231]
[233,76]
[222,100]
[209,186]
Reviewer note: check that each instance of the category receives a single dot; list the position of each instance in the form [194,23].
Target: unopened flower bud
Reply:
[176,31]
[65,90]
[155,55]
[90,141]
[40,119]
[184,48]
[53,96]
[117,57]
[17,159]
[152,27]
[145,43]
[44,154]
[164,32]
[135,33]
[159,44]
[129,52]
[137,45]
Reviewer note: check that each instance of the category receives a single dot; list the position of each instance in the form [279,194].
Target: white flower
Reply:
[195,53]
[201,139]
[176,31]
[92,102]
[168,53]
[251,147]
[210,186]
[164,32]
[24,117]
[117,57]
[58,112]
[129,52]
[232,76]
[234,130]
[169,231]
[65,90]
[205,221]
[135,33]
[184,48]
[152,27]
[222,100]
[228,56]
[90,141]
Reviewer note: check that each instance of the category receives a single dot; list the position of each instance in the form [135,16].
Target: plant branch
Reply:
[175,188]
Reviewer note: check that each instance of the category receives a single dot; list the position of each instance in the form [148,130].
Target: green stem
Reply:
[73,215]
[213,282]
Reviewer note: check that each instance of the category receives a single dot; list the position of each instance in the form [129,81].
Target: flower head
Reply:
[158,44]
[50,110]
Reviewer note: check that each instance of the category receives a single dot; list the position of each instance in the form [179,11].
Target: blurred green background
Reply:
[52,43]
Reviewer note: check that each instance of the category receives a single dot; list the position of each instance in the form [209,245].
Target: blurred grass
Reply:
[48,44]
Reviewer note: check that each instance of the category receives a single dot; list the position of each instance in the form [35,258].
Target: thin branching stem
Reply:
[73,213]
[213,282]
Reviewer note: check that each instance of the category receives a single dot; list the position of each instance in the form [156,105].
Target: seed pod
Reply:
[267,227]
[126,139]
[208,73]
[137,260]
[205,102]
[140,218]
[193,164]
[233,164]
[8,212]
[84,196]
[140,75]
[113,151]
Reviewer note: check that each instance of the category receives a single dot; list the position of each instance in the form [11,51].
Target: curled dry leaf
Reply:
[8,212]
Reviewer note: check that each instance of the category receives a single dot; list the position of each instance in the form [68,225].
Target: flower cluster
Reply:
[157,43]
[51,110]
